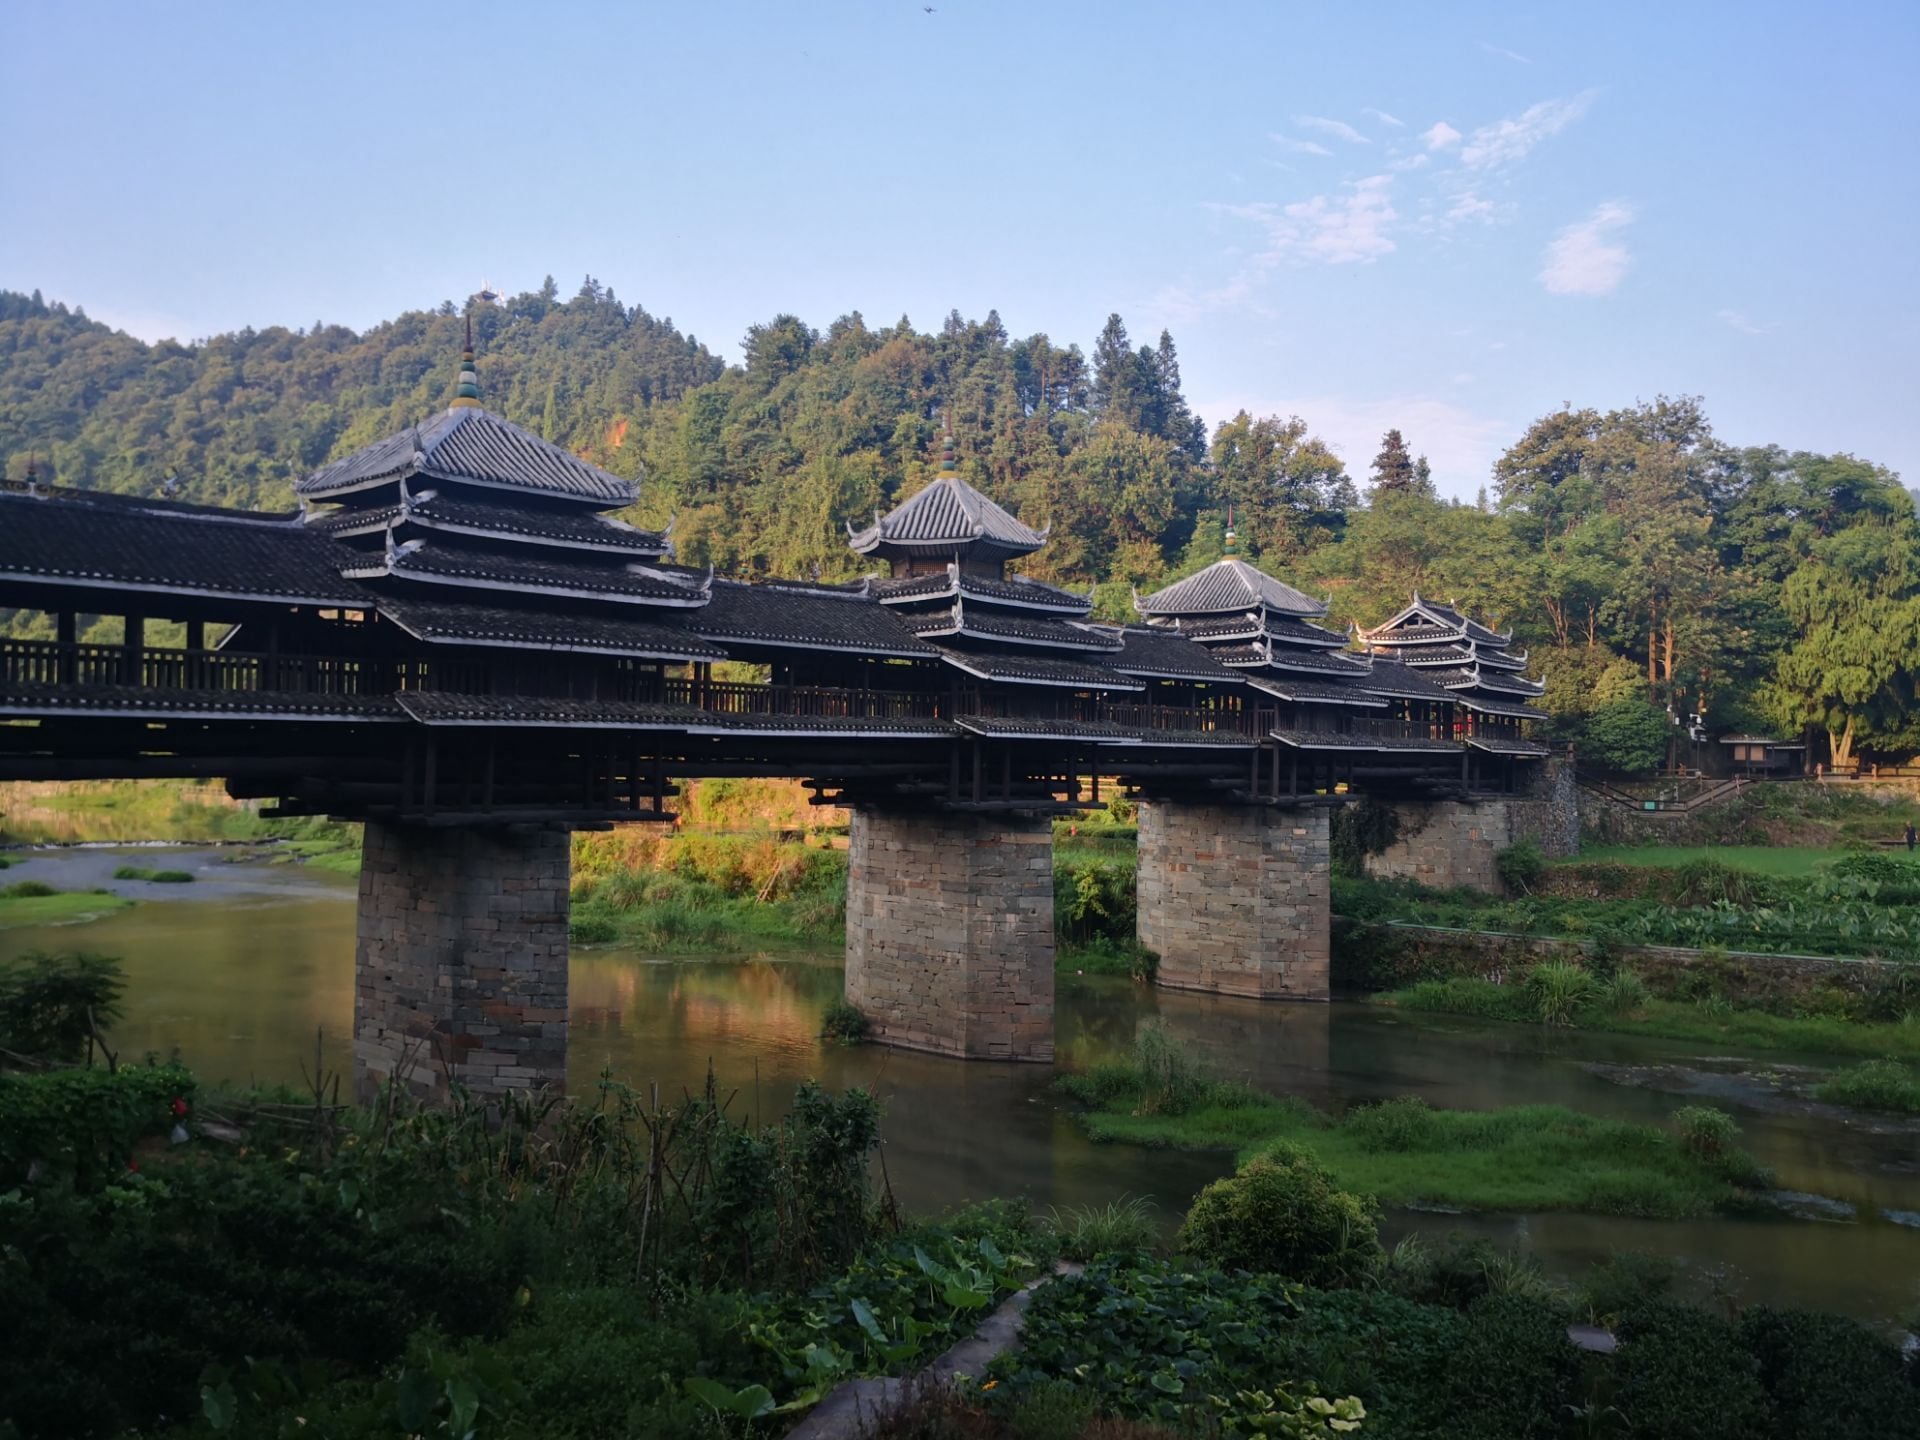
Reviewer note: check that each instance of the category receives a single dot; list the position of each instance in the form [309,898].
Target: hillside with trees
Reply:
[1649,565]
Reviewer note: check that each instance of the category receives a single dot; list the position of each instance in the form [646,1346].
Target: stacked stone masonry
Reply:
[950,932]
[1234,899]
[460,966]
[1450,844]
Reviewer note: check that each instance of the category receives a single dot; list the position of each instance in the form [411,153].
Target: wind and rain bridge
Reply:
[454,641]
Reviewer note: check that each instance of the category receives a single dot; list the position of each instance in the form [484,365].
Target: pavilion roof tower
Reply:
[1473,662]
[948,522]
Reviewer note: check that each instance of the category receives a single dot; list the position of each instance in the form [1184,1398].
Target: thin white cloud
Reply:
[1329,229]
[1384,118]
[1441,137]
[1504,53]
[1339,129]
[1740,322]
[1505,142]
[1586,258]
[1411,162]
[1298,147]
[1469,206]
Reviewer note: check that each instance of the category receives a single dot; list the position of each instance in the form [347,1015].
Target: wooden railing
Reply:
[43,662]
[824,701]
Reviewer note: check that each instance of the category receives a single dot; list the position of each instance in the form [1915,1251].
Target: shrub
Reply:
[1829,1375]
[1874,1085]
[1360,828]
[156,877]
[1558,990]
[1120,1227]
[50,1005]
[1628,736]
[1521,866]
[1625,1282]
[845,1022]
[1684,1372]
[1705,1133]
[1281,1214]
[27,890]
[1460,1271]
[82,1124]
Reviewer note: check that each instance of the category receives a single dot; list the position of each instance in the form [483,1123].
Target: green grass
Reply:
[63,907]
[1669,1019]
[154,877]
[1527,1158]
[1759,859]
[1875,1085]
[1102,956]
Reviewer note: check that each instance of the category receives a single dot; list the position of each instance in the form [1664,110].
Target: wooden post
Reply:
[132,642]
[196,654]
[69,662]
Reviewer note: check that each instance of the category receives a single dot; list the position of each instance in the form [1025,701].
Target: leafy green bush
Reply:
[1361,828]
[1874,1085]
[1684,1372]
[27,890]
[1628,736]
[1281,1214]
[1831,1376]
[1093,897]
[51,1004]
[80,1125]
[845,1022]
[1521,866]
[1626,1281]
[1460,1271]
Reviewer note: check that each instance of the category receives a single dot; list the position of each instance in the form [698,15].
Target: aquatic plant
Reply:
[1559,990]
[845,1022]
[1874,1085]
[1125,1226]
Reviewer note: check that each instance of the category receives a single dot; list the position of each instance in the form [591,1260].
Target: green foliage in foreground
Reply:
[1193,1348]
[1708,1019]
[1875,1085]
[50,1005]
[1282,1213]
[80,1125]
[1401,1152]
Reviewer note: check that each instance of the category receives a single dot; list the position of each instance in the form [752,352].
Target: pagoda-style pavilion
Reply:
[457,640]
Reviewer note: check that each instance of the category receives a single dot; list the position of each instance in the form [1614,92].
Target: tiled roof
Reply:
[1167,655]
[19,699]
[576,529]
[1501,745]
[1022,727]
[1289,657]
[471,447]
[1423,619]
[1317,692]
[948,514]
[1379,744]
[1228,585]
[459,623]
[1027,594]
[1256,623]
[1390,677]
[1500,657]
[806,617]
[972,620]
[1498,707]
[194,550]
[1426,655]
[1037,670]
[445,564]
[1186,738]
[1507,684]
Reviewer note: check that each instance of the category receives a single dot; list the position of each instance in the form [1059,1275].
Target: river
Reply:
[239,972]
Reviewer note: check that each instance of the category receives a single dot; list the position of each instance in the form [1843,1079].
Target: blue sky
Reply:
[1450,218]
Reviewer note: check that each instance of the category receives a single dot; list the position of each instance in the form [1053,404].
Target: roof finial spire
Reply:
[1233,545]
[948,468]
[466,394]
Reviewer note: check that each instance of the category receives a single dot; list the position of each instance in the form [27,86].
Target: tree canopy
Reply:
[1638,555]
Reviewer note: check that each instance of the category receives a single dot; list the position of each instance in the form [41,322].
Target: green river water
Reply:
[240,971]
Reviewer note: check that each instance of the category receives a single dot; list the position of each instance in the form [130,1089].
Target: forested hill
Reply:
[1646,562]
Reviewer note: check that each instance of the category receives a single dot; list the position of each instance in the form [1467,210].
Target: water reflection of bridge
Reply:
[453,641]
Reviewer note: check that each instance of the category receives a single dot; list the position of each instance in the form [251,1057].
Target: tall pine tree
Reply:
[1393,471]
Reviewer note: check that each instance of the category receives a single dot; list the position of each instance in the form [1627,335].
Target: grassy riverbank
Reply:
[1529,1158]
[1595,1006]
[31,903]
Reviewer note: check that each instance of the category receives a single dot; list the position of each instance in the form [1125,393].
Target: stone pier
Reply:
[1454,843]
[950,932]
[460,965]
[1234,899]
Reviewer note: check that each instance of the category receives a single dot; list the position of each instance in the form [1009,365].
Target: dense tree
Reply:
[1393,469]
[1639,558]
